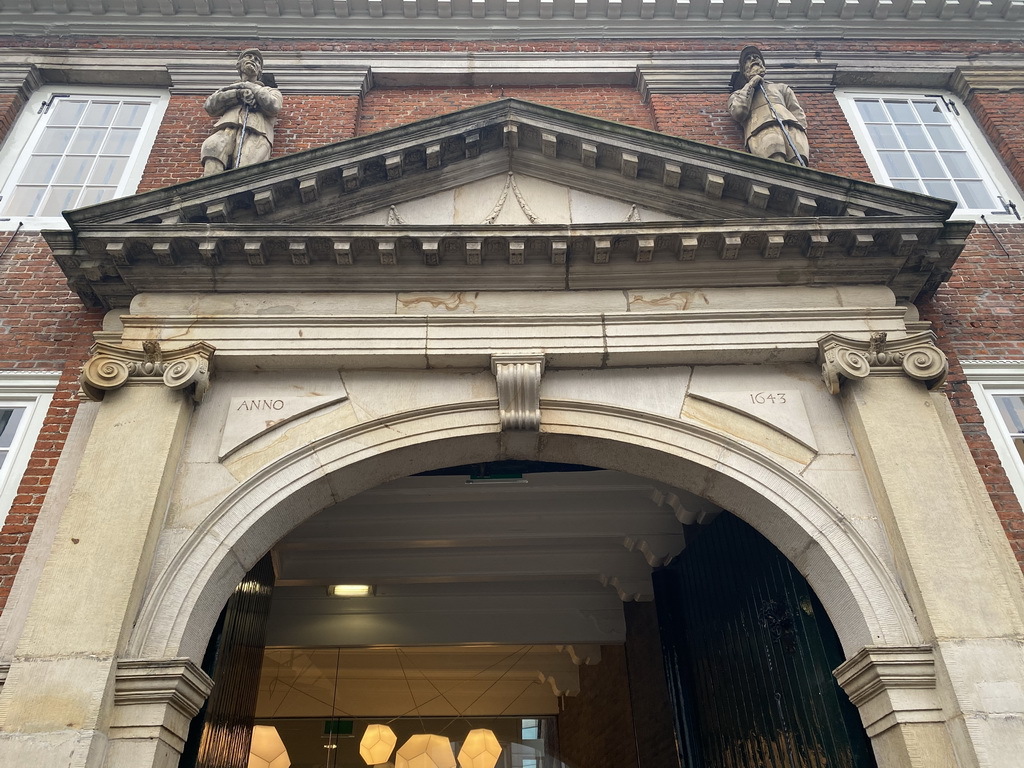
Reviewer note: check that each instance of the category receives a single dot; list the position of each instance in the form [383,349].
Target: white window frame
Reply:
[974,140]
[988,378]
[14,152]
[33,391]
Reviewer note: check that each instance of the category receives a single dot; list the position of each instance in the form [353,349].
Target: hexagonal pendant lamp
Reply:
[425,750]
[480,749]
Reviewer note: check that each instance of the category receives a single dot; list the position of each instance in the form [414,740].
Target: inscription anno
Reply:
[772,398]
[260,405]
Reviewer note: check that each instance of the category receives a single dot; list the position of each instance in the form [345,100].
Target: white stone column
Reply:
[952,556]
[57,702]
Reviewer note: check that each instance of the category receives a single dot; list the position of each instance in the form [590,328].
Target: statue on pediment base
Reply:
[774,123]
[246,113]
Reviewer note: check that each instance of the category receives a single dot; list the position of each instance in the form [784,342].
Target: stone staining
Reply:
[246,113]
[774,123]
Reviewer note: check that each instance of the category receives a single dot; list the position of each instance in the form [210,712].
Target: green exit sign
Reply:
[338,727]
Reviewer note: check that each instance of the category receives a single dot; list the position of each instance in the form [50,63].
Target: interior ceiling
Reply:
[542,560]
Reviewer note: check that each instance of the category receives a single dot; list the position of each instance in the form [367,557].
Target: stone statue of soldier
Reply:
[246,112]
[774,123]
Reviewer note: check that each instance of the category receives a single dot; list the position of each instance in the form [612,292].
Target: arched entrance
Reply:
[856,587]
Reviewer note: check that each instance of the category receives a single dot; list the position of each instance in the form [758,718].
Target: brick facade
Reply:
[977,314]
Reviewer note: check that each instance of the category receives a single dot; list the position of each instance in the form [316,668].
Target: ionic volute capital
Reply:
[915,356]
[112,366]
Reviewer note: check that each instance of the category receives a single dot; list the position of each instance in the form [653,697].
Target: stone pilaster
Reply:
[952,557]
[154,703]
[57,702]
[894,688]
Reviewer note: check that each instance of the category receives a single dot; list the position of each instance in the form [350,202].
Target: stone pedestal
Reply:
[57,702]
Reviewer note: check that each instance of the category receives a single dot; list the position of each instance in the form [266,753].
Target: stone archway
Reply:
[857,588]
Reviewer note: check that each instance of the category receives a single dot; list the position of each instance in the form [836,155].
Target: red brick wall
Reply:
[389,107]
[979,315]
[43,327]
[306,122]
[10,105]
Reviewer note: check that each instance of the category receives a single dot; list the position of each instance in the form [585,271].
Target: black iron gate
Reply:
[750,652]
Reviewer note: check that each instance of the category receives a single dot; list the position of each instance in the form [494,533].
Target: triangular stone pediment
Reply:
[508,194]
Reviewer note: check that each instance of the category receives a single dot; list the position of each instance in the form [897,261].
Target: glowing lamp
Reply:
[425,750]
[480,749]
[267,750]
[377,744]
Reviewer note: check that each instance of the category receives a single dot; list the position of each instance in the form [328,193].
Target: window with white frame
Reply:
[998,388]
[24,398]
[69,150]
[927,143]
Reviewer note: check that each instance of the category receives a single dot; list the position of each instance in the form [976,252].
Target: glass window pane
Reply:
[93,195]
[73,170]
[121,141]
[943,189]
[67,111]
[59,199]
[960,165]
[911,185]
[896,164]
[975,195]
[132,114]
[87,141]
[1011,408]
[943,137]
[10,418]
[108,170]
[883,137]
[914,137]
[928,165]
[930,111]
[901,111]
[39,169]
[100,113]
[54,141]
[872,111]
[24,201]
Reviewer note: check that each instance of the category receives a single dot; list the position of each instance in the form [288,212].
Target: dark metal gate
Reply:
[750,652]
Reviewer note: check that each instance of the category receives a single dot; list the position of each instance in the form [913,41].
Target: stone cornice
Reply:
[490,19]
[915,356]
[353,73]
[891,685]
[968,80]
[178,683]
[110,265]
[112,366]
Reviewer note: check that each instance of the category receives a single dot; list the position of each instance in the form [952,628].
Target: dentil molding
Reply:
[518,390]
[916,356]
[112,366]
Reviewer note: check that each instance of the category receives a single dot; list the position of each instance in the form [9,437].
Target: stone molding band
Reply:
[112,366]
[518,379]
[916,356]
[891,685]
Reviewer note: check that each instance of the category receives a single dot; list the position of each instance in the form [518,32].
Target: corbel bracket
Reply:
[915,356]
[518,390]
[112,366]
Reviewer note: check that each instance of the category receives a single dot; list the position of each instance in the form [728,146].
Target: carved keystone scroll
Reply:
[112,366]
[518,390]
[915,356]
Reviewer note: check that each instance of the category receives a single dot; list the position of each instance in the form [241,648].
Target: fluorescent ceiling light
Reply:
[350,590]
